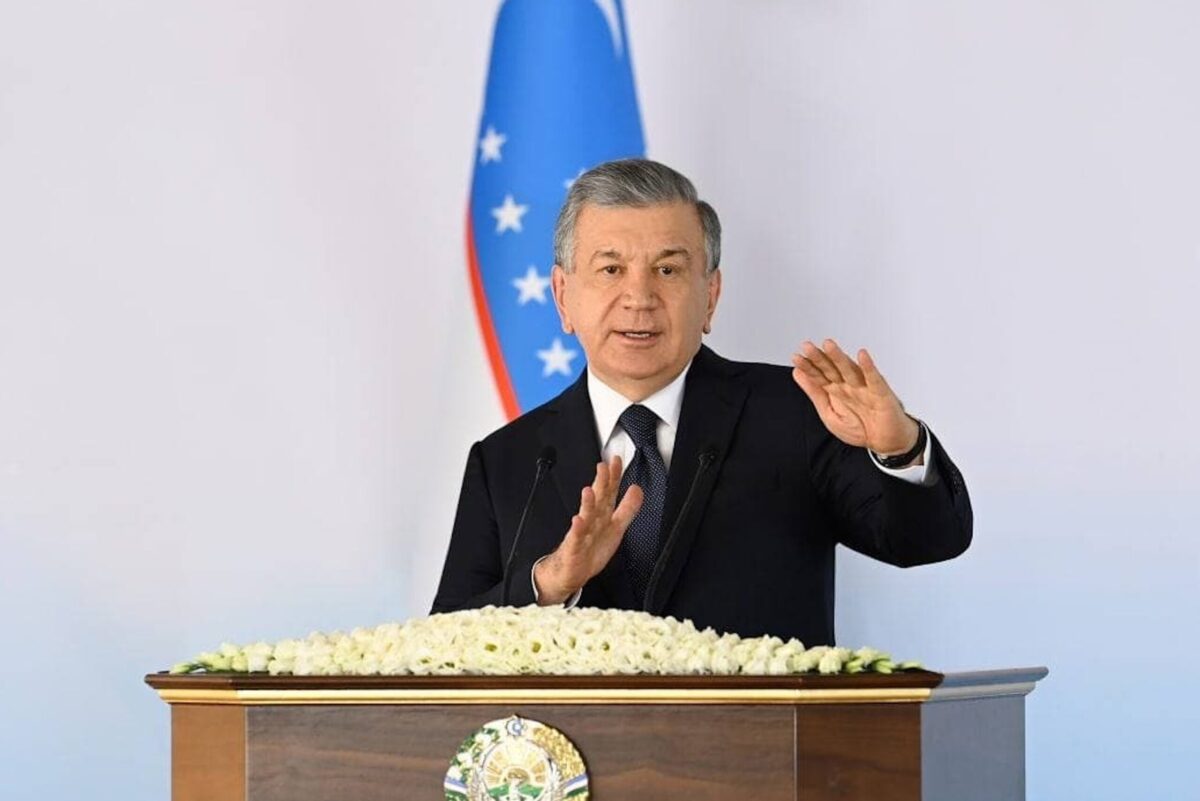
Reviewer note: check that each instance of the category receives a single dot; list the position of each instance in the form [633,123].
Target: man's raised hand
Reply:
[853,400]
[593,538]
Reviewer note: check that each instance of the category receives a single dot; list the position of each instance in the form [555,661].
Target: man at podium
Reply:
[671,479]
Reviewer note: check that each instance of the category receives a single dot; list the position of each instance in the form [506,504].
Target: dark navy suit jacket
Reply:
[755,554]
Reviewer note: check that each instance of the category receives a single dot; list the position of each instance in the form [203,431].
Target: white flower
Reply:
[286,649]
[779,664]
[757,666]
[257,656]
[831,662]
[546,640]
[722,664]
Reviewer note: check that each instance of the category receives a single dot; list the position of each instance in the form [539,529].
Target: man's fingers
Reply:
[813,385]
[850,372]
[587,504]
[573,539]
[818,359]
[875,380]
[812,381]
[628,508]
[802,362]
[600,482]
[614,482]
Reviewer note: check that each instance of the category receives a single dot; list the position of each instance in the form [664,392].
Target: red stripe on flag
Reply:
[508,398]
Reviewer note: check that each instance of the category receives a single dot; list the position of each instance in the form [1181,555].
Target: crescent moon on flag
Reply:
[609,9]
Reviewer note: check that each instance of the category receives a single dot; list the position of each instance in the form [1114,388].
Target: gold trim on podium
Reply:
[352,697]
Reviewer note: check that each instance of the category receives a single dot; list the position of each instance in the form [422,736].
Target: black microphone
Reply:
[707,457]
[545,461]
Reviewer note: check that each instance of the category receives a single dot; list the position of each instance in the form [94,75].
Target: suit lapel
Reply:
[572,433]
[712,403]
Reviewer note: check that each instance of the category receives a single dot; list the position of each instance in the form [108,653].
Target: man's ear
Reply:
[714,294]
[558,285]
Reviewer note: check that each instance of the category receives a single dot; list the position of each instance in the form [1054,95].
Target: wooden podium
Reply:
[916,736]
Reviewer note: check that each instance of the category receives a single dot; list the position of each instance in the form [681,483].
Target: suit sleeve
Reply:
[473,574]
[883,516]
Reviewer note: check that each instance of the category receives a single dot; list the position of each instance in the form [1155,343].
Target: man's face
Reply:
[638,298]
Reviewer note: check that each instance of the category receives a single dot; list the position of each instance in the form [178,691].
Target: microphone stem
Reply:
[512,552]
[706,460]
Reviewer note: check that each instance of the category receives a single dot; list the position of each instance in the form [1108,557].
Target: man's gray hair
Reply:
[632,183]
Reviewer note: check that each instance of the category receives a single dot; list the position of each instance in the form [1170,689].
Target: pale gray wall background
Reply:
[239,370]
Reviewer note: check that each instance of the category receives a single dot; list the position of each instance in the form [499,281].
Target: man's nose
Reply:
[640,290]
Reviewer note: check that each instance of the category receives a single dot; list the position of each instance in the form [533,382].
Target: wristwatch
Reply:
[902,459]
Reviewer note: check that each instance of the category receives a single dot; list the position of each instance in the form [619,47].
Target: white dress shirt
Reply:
[608,405]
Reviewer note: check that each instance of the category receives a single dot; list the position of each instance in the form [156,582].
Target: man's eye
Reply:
[668,269]
[610,269]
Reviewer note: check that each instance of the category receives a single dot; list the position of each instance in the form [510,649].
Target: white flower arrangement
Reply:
[504,641]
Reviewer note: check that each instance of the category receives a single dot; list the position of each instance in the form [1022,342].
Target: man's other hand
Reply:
[593,538]
[853,400]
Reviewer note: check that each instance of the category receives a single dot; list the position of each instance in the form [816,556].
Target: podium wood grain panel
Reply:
[208,753]
[865,751]
[669,753]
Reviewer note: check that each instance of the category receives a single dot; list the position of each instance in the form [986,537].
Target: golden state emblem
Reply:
[516,759]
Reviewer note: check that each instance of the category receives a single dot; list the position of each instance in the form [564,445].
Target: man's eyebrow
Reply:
[667,253]
[606,254]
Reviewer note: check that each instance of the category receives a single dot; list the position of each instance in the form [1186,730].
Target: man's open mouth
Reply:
[638,335]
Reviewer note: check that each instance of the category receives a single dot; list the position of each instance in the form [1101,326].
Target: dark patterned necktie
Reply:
[649,472]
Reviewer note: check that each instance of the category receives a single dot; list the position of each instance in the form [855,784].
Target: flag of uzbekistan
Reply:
[560,99]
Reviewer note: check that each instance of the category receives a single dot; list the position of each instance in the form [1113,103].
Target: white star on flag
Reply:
[490,144]
[532,286]
[556,359]
[508,215]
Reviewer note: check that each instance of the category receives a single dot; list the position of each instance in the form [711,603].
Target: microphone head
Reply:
[708,455]
[548,456]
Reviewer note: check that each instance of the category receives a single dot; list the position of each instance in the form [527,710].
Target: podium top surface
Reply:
[907,687]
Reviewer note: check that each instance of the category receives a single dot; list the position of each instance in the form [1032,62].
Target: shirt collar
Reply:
[608,404]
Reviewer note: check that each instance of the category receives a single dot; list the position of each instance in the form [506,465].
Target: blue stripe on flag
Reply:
[560,99]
